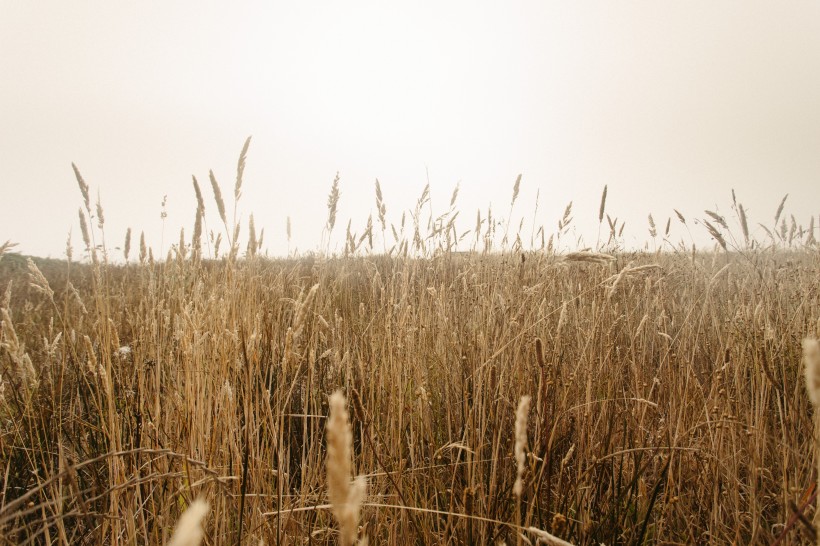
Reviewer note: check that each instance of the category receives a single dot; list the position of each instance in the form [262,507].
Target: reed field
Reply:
[423,386]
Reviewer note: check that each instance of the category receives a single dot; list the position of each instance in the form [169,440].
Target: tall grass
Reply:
[667,400]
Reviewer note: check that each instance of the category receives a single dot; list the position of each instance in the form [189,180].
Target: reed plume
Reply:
[345,496]
[811,362]
[188,531]
[127,247]
[332,203]
[521,416]
[240,170]
[83,187]
[811,367]
[220,203]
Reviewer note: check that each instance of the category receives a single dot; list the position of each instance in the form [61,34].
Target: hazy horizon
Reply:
[671,105]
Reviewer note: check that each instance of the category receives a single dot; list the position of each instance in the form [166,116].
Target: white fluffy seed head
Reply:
[189,531]
[811,367]
[521,416]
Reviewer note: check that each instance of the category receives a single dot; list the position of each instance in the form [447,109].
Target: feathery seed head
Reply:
[240,169]
[521,417]
[811,367]
[84,229]
[200,203]
[188,531]
[38,281]
[143,251]
[100,217]
[127,246]
[332,203]
[780,209]
[345,496]
[83,186]
[220,204]
[516,187]
[744,224]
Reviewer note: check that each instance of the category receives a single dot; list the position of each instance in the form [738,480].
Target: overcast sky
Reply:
[671,104]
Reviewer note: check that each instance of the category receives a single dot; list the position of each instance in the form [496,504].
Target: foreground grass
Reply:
[667,397]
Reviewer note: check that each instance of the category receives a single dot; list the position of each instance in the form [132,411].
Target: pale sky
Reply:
[671,104]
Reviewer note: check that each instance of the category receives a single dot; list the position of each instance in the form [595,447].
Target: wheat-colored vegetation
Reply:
[499,395]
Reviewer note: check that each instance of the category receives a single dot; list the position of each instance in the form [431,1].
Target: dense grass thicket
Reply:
[667,394]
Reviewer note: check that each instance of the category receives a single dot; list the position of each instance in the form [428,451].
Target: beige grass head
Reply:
[345,496]
[811,367]
[521,417]
[188,531]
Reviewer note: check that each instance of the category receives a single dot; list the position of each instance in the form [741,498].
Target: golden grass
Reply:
[667,395]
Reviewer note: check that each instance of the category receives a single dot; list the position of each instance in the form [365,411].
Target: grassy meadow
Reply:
[666,403]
